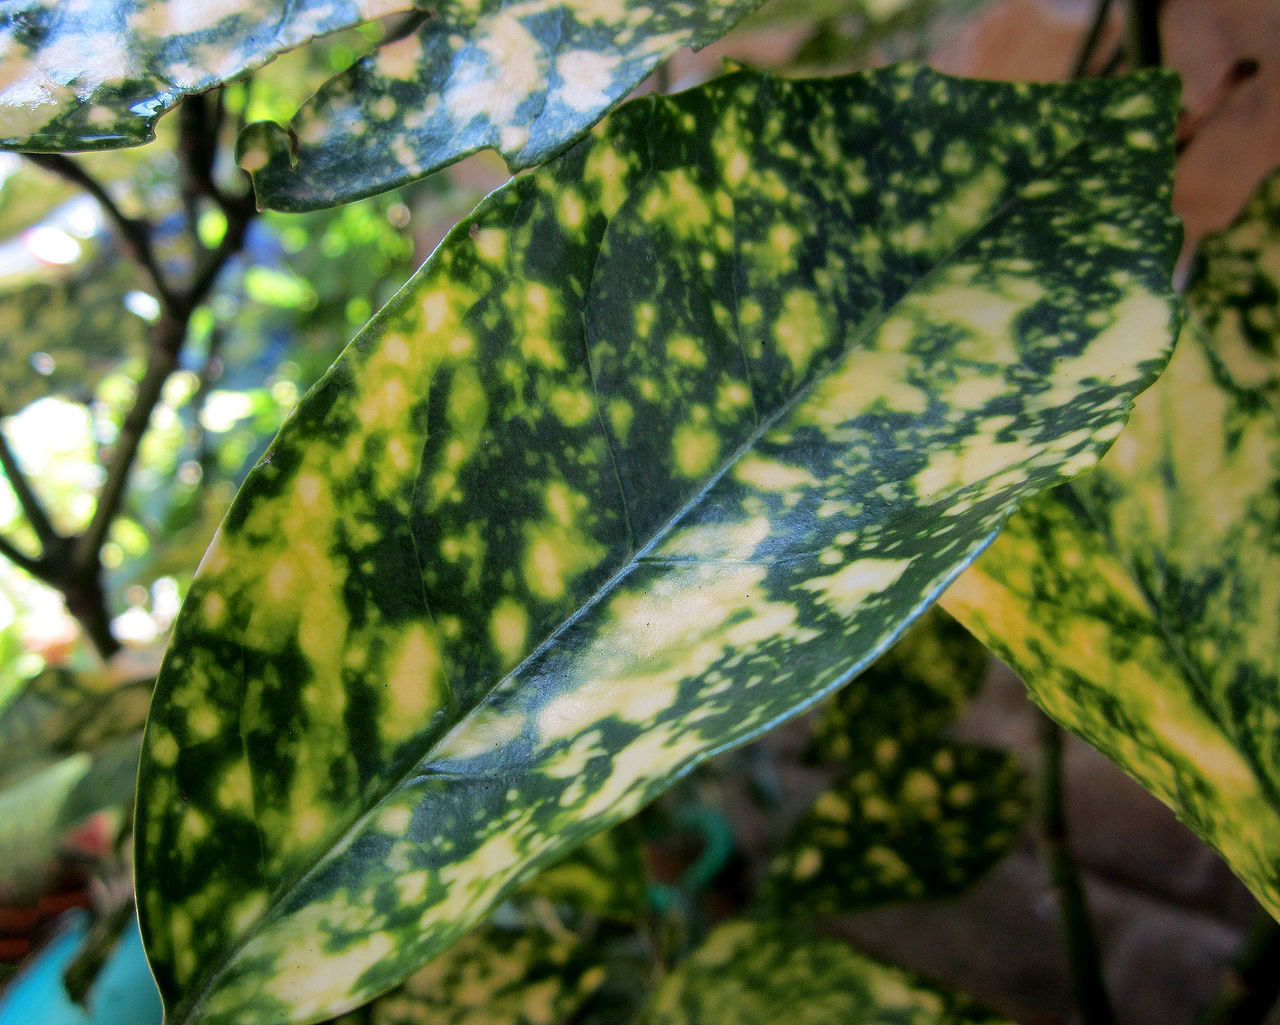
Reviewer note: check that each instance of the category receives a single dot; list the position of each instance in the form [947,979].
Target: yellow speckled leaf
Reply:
[99,75]
[525,77]
[492,977]
[666,441]
[762,973]
[1142,603]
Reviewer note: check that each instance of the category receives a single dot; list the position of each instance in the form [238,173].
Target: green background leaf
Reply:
[762,973]
[494,976]
[921,820]
[1142,603]
[667,441]
[912,815]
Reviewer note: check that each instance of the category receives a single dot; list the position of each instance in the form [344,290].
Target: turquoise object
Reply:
[123,994]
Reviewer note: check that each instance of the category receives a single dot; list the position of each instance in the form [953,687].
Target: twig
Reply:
[1252,983]
[20,558]
[1194,118]
[134,232]
[162,360]
[1092,38]
[74,564]
[30,502]
[1082,944]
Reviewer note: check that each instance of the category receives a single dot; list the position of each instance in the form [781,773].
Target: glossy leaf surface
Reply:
[761,973]
[665,442]
[1142,604]
[525,77]
[99,75]
[491,977]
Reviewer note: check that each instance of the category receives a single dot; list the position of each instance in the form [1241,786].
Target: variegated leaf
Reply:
[492,977]
[921,820]
[664,443]
[762,973]
[1142,604]
[525,77]
[98,75]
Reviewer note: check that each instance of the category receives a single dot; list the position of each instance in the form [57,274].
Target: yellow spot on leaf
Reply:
[509,629]
[694,450]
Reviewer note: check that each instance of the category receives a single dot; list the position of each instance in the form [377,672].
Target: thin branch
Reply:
[1082,944]
[166,346]
[32,507]
[1092,38]
[134,232]
[1194,118]
[21,559]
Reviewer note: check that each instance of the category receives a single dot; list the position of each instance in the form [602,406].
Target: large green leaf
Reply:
[492,977]
[1142,604]
[761,973]
[525,77]
[665,442]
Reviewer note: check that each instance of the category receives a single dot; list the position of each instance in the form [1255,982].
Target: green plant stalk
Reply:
[1081,940]
[1143,30]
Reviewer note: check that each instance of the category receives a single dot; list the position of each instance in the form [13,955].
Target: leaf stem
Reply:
[134,232]
[1082,945]
[1252,983]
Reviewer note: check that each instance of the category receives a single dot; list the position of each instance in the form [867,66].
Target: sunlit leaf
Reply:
[97,75]
[492,977]
[525,77]
[1142,603]
[761,973]
[667,441]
